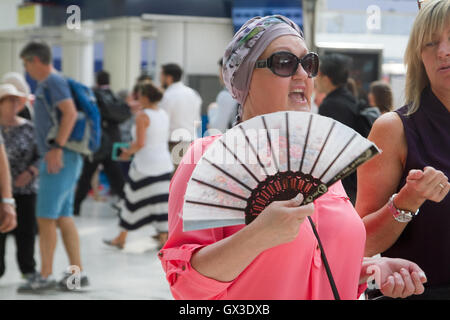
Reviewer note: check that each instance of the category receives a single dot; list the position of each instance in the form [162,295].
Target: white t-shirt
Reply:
[225,112]
[154,158]
[183,105]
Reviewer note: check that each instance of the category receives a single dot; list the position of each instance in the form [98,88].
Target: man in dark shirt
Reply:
[112,115]
[339,102]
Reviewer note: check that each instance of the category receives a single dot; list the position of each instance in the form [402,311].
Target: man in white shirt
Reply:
[222,113]
[183,105]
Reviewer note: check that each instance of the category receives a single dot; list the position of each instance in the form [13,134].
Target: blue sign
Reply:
[243,11]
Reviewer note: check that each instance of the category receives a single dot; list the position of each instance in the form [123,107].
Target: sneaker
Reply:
[69,281]
[37,284]
[30,275]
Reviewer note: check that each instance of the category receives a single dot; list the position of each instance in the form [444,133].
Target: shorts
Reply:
[57,191]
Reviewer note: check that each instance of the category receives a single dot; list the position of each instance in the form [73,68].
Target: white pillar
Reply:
[170,44]
[78,53]
[122,51]
[11,43]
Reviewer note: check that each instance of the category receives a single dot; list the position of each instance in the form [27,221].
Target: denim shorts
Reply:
[56,191]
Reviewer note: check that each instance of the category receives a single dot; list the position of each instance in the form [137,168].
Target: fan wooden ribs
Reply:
[274,188]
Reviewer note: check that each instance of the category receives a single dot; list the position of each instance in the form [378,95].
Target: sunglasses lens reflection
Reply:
[311,64]
[285,64]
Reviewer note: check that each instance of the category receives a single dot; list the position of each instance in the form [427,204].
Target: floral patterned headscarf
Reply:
[247,45]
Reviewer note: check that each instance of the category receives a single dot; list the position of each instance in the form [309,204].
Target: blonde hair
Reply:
[432,19]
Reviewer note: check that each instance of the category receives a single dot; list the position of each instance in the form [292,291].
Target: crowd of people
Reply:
[44,182]
[146,135]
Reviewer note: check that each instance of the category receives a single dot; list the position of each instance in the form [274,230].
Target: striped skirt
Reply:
[146,201]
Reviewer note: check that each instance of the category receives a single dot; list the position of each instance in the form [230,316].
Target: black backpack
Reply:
[112,109]
[365,118]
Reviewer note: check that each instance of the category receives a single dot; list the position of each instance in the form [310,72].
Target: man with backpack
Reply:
[59,169]
[113,112]
[340,104]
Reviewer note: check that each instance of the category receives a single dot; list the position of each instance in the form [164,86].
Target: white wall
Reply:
[8,14]
[206,43]
[195,43]
[122,51]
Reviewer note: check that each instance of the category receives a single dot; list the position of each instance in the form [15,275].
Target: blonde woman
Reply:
[403,193]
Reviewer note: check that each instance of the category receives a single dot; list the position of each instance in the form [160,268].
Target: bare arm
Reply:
[378,179]
[8,219]
[142,123]
[68,119]
[5,175]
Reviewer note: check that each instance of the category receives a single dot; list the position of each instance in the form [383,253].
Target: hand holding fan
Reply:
[269,158]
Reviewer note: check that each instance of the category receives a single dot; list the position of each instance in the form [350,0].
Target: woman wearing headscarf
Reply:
[267,68]
[409,216]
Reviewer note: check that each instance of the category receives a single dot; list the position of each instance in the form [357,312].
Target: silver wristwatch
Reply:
[10,201]
[400,215]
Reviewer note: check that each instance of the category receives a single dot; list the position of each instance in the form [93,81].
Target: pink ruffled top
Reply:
[289,271]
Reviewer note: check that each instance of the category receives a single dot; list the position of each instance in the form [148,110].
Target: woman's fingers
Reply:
[399,285]
[388,287]
[441,190]
[430,183]
[296,201]
[409,287]
[416,278]
[394,286]
[414,174]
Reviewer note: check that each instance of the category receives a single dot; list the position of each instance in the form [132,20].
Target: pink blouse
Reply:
[289,271]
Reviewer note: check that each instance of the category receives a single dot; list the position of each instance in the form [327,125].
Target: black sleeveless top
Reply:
[426,239]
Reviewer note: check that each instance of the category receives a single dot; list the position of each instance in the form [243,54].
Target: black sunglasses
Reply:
[285,64]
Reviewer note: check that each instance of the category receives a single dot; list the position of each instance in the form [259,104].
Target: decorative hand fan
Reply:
[270,158]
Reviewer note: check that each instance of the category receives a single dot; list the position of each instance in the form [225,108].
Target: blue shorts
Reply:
[57,191]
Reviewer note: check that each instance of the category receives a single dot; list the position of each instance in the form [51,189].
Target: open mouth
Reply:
[444,68]
[297,95]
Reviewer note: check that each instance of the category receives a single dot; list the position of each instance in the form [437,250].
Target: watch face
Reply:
[403,217]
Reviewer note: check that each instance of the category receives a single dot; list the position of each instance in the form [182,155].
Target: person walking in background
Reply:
[403,192]
[380,96]
[113,112]
[132,100]
[183,105]
[223,113]
[21,148]
[339,103]
[59,167]
[147,188]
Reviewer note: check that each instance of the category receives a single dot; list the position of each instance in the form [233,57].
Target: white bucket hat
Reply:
[8,89]
[18,81]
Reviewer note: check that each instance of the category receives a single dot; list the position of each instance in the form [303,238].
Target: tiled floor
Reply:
[132,273]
